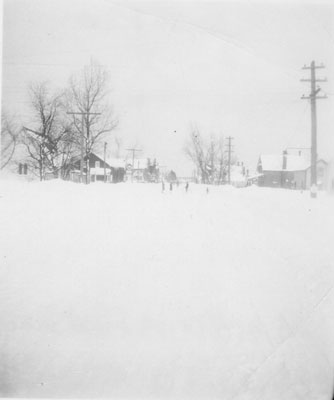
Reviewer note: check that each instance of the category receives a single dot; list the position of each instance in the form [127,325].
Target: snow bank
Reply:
[121,290]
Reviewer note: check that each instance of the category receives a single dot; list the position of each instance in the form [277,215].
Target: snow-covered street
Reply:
[124,291]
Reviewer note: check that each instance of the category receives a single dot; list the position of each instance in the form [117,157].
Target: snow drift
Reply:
[124,291]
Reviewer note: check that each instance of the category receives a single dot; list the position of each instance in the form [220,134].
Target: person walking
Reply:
[187,186]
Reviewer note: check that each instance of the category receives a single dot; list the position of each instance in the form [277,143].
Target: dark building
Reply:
[113,170]
[292,171]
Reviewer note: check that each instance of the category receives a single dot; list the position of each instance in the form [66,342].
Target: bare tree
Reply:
[208,157]
[49,141]
[9,139]
[195,149]
[88,95]
[221,161]
[211,160]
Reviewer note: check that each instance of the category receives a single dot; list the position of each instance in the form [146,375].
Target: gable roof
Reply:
[111,162]
[116,162]
[293,162]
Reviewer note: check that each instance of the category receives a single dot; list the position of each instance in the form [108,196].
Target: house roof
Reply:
[293,162]
[116,162]
[112,162]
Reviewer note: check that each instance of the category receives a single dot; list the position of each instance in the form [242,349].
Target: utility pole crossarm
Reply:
[82,113]
[313,67]
[316,80]
[314,97]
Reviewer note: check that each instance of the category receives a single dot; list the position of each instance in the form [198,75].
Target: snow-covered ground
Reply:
[122,291]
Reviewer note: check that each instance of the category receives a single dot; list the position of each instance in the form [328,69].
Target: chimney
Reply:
[285,153]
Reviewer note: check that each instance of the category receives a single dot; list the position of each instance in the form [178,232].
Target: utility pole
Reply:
[104,162]
[230,151]
[133,160]
[313,97]
[83,114]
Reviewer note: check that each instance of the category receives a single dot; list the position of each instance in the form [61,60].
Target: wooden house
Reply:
[111,170]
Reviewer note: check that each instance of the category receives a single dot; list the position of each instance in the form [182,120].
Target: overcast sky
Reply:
[231,68]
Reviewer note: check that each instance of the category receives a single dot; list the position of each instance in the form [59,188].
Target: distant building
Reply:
[292,171]
[330,176]
[239,175]
[136,168]
[142,170]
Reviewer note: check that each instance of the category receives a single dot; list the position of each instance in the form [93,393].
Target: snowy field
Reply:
[121,291]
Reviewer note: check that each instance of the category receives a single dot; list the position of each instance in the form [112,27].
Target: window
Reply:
[23,169]
[97,164]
